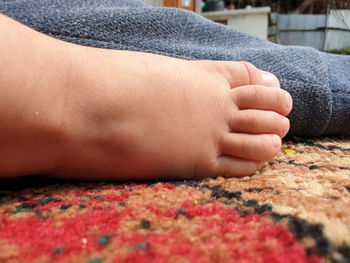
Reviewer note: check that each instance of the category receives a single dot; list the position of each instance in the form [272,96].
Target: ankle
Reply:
[33,108]
[76,130]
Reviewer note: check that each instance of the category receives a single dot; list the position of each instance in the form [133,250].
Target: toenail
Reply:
[269,79]
[286,125]
[276,140]
[288,101]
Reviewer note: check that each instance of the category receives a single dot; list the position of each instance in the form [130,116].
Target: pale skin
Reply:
[86,113]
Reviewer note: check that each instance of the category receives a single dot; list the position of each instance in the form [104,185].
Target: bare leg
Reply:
[87,113]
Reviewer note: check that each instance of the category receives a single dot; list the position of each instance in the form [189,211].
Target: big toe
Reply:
[245,73]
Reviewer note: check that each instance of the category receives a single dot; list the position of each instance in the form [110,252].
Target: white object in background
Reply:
[186,2]
[155,3]
[253,21]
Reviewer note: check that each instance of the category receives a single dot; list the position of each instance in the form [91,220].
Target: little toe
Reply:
[262,98]
[236,167]
[259,122]
[256,147]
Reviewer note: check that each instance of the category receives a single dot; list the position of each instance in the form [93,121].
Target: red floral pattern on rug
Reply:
[217,233]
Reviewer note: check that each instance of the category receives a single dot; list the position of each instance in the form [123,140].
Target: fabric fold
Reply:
[339,82]
[133,25]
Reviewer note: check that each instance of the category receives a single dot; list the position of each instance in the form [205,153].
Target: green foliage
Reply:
[343,51]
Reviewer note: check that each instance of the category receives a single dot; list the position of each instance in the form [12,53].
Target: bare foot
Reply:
[107,114]
[141,116]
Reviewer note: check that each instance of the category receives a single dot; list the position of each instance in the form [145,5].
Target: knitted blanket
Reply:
[133,25]
[295,209]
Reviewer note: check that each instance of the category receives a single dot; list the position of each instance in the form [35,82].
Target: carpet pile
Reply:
[295,209]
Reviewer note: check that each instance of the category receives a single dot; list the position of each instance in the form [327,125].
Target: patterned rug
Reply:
[295,209]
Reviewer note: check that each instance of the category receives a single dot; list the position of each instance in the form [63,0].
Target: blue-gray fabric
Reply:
[133,25]
[339,83]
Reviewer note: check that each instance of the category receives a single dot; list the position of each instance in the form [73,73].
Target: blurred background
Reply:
[323,24]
